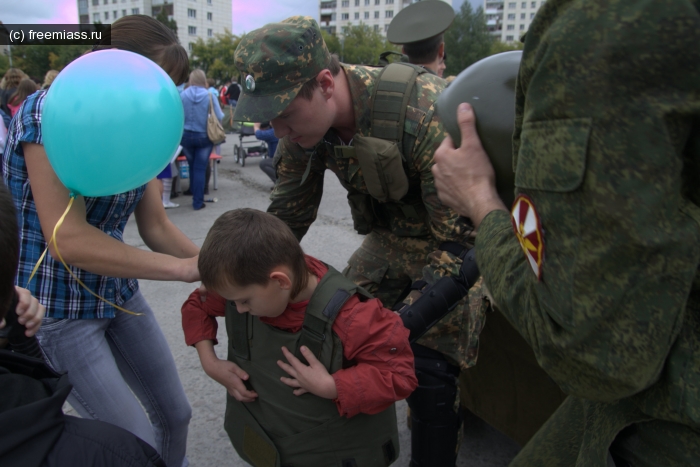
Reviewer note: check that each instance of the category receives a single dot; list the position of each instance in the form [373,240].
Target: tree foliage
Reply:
[215,56]
[162,16]
[36,60]
[468,40]
[362,45]
[497,47]
[332,42]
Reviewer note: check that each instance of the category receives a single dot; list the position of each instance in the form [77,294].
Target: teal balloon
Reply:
[111,122]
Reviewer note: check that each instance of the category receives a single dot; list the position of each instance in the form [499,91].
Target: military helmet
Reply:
[420,21]
[489,86]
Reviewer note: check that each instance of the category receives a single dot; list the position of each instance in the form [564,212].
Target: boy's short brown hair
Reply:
[245,245]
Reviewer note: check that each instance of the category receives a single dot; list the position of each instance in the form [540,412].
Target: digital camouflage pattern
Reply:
[275,61]
[607,146]
[398,246]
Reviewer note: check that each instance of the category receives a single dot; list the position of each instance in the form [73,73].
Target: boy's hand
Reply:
[313,378]
[231,376]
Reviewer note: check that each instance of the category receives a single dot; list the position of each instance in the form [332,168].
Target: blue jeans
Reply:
[106,359]
[197,148]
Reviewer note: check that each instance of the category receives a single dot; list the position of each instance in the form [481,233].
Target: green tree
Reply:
[36,60]
[497,47]
[215,56]
[362,45]
[162,16]
[332,42]
[468,40]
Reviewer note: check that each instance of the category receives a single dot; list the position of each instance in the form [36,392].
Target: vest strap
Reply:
[239,331]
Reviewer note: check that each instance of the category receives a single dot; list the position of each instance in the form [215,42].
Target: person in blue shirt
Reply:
[264,132]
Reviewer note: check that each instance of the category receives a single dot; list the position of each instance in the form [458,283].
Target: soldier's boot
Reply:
[434,409]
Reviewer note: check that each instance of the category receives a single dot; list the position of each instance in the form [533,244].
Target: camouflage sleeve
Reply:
[445,224]
[294,202]
[606,140]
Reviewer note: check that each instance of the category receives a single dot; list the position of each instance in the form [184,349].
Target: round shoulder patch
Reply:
[528,229]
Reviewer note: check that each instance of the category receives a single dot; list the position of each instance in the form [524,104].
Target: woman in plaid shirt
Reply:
[110,355]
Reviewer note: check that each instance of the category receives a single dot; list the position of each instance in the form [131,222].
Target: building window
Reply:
[510,27]
[509,38]
[134,11]
[208,2]
[105,2]
[114,14]
[376,15]
[345,16]
[376,28]
[357,2]
[389,14]
[191,13]
[192,30]
[357,15]
[511,5]
[114,1]
[95,2]
[523,5]
[106,15]
[366,2]
[522,15]
[95,17]
[532,15]
[533,4]
[190,46]
[522,27]
[210,33]
[123,12]
[386,27]
[345,3]
[376,2]
[389,2]
[511,15]
[210,17]
[366,14]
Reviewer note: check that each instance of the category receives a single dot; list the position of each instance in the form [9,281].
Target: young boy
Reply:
[314,364]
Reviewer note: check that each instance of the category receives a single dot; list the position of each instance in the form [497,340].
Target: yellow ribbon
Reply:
[58,253]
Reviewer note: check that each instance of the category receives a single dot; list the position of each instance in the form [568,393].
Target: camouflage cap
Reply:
[275,61]
[420,21]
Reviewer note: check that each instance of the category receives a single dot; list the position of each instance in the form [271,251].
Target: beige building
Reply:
[336,14]
[509,20]
[195,18]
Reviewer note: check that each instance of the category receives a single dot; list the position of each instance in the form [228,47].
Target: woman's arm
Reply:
[85,246]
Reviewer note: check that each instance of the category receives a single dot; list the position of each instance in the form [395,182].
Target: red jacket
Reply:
[375,342]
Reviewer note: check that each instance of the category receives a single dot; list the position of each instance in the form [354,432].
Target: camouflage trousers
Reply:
[386,265]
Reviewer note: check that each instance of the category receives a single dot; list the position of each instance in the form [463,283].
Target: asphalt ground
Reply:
[331,239]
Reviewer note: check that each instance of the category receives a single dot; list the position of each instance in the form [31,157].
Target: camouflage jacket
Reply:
[299,187]
[607,147]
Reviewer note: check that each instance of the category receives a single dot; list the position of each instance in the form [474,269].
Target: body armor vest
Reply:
[280,429]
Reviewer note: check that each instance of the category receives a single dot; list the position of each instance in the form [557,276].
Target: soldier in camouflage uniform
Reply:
[320,109]
[607,170]
[419,28]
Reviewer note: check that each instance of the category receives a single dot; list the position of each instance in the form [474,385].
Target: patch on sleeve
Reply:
[528,229]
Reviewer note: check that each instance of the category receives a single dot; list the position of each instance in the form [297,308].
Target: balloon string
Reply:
[58,253]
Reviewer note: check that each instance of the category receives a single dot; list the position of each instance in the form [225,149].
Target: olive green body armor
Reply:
[280,429]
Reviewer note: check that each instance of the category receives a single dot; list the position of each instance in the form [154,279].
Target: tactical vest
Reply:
[280,429]
[394,202]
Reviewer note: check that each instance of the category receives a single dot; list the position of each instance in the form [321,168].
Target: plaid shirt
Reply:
[52,285]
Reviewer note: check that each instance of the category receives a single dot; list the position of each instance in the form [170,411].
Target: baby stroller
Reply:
[248,148]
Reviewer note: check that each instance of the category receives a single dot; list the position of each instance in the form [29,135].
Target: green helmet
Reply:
[489,86]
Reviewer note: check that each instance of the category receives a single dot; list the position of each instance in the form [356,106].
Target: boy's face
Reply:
[304,121]
[268,300]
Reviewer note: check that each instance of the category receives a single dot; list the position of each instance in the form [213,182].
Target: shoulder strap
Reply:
[390,99]
[238,331]
[330,295]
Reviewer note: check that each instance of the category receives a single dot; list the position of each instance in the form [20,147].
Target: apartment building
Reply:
[195,18]
[336,14]
[509,20]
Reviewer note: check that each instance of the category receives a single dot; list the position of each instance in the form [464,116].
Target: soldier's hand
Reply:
[232,377]
[464,177]
[313,378]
